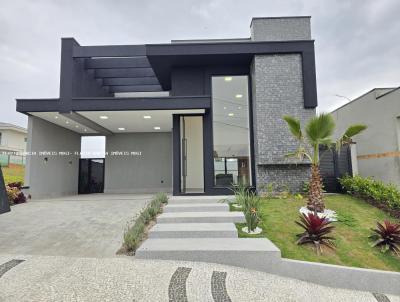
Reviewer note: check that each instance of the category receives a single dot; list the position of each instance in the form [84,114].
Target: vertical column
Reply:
[277,90]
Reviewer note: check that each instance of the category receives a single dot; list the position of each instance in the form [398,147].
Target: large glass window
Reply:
[230,106]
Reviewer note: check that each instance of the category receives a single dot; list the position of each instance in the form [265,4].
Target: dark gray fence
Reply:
[334,165]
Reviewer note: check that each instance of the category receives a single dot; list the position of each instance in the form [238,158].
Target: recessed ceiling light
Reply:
[228,79]
[85,130]
[231,114]
[157,128]
[239,107]
[121,129]
[56,117]
[224,108]
[67,122]
[76,126]
[239,96]
[103,117]
[146,117]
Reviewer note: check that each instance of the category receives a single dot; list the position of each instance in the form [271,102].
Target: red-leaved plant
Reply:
[387,236]
[316,230]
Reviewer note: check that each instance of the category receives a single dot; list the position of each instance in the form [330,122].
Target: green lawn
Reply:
[356,218]
[13,173]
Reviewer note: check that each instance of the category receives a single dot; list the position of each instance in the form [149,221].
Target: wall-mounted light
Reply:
[147,117]
[231,114]
[228,79]
[103,117]
[121,129]
[157,128]
[239,96]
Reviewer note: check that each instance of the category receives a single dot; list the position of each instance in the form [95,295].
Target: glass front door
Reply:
[191,141]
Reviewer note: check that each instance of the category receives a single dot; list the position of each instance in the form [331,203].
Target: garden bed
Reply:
[355,220]
[136,231]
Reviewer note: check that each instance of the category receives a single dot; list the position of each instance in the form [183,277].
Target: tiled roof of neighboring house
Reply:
[12,127]
[384,90]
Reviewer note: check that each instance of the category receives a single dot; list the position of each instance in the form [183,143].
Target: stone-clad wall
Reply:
[283,177]
[277,90]
[280,29]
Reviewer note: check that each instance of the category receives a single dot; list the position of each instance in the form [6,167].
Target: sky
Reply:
[357,42]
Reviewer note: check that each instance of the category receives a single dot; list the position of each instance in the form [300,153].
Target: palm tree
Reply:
[318,132]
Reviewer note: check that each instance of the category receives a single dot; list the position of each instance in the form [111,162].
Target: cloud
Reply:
[357,42]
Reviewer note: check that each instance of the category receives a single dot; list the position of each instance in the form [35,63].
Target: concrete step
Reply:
[201,217]
[197,207]
[251,253]
[198,199]
[193,230]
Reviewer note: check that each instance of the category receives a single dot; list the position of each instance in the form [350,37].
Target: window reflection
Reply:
[230,101]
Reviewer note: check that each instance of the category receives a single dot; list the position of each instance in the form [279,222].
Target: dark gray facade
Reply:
[278,59]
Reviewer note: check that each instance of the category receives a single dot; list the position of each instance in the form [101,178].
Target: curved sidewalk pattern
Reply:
[41,278]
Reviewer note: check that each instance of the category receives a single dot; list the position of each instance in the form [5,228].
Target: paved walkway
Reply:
[41,278]
[77,226]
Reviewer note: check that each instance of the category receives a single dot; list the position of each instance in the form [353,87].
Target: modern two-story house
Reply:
[189,117]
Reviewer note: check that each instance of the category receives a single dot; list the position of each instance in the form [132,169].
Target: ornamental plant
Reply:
[316,231]
[250,206]
[387,237]
[318,132]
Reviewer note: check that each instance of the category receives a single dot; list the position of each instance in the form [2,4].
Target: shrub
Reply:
[241,192]
[316,230]
[372,190]
[387,236]
[134,234]
[251,203]
[14,193]
[267,190]
[16,184]
[252,219]
[162,197]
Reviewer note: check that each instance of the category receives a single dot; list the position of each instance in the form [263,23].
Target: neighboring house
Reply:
[191,117]
[378,147]
[12,138]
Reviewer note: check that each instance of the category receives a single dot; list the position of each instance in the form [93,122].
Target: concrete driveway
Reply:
[78,226]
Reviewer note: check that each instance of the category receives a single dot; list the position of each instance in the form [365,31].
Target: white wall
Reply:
[13,139]
[149,172]
[378,145]
[59,175]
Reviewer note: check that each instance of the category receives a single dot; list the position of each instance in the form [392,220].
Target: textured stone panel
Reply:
[280,29]
[284,177]
[277,89]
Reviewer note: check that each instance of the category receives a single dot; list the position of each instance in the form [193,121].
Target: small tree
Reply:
[318,132]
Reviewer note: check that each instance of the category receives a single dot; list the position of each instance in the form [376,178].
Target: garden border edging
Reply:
[370,280]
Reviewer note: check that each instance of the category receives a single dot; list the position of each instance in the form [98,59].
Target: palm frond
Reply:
[320,128]
[294,126]
[349,133]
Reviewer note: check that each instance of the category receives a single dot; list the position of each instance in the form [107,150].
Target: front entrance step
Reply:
[193,230]
[201,217]
[250,253]
[199,199]
[197,207]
